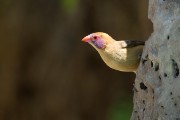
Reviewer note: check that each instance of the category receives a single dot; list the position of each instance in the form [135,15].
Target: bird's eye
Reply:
[95,37]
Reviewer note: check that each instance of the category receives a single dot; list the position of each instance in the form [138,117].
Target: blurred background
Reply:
[47,73]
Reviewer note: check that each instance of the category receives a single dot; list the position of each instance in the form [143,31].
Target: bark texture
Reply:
[157,85]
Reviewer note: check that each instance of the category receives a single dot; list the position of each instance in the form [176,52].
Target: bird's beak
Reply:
[86,39]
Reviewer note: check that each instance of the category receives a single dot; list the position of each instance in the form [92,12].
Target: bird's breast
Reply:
[121,59]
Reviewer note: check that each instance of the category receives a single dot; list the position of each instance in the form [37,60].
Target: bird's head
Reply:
[99,40]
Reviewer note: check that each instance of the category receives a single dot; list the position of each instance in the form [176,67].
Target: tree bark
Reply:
[157,84]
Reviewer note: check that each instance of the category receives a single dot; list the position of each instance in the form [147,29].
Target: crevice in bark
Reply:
[175,69]
[142,86]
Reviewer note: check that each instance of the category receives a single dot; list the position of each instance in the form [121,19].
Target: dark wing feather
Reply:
[130,43]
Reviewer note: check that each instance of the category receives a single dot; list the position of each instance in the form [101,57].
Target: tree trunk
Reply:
[157,84]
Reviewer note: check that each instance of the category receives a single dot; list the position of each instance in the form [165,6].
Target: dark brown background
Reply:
[47,73]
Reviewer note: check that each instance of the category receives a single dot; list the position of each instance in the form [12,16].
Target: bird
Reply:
[122,55]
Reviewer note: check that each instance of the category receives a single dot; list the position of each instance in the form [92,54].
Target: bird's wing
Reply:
[130,43]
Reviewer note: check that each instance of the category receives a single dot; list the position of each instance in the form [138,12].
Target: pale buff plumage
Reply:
[121,55]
